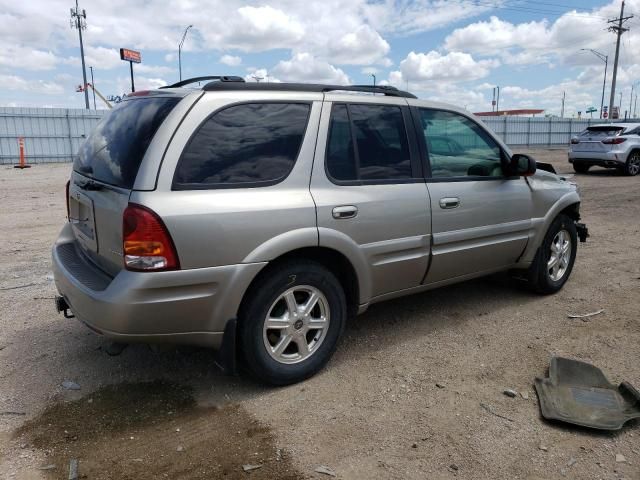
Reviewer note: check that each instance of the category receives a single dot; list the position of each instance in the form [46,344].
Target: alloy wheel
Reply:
[560,255]
[296,324]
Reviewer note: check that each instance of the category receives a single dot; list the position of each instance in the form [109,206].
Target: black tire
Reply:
[632,167]
[580,167]
[538,276]
[260,299]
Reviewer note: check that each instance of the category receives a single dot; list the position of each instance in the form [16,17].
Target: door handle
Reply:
[345,211]
[449,202]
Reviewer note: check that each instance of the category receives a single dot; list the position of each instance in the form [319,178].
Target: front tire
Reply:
[632,167]
[554,259]
[291,321]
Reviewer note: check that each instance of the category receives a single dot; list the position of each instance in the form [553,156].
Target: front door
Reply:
[369,190]
[481,219]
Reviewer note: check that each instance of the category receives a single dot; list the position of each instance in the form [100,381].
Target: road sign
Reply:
[591,110]
[130,55]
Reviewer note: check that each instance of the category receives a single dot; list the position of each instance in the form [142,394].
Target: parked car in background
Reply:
[611,145]
[256,218]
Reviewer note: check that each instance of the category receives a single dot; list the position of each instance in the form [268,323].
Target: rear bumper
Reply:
[602,159]
[183,306]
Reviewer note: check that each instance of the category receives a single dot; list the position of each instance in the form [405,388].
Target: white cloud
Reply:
[420,68]
[13,56]
[153,69]
[260,75]
[231,60]
[363,46]
[102,58]
[304,67]
[123,84]
[15,82]
[258,29]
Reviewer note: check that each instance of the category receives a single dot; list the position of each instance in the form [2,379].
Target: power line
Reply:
[527,9]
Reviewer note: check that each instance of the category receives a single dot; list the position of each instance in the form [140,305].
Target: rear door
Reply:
[104,173]
[368,188]
[480,218]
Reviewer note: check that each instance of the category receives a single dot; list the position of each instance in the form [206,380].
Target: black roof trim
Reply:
[305,87]
[221,78]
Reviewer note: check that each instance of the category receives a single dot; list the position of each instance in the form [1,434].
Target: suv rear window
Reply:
[253,144]
[602,131]
[114,150]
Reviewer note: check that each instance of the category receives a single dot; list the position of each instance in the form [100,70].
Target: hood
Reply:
[547,180]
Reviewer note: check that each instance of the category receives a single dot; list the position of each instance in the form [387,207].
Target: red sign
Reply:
[130,55]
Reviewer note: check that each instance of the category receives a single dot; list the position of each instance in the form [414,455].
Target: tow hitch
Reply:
[583,231]
[63,306]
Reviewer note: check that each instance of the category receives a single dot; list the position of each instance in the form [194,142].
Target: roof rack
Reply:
[304,87]
[220,78]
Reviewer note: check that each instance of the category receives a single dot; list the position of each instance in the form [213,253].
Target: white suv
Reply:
[611,145]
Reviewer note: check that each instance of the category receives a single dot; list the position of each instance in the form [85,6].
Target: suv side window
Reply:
[244,145]
[458,147]
[368,143]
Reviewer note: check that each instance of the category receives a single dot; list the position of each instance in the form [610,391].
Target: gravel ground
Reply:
[404,397]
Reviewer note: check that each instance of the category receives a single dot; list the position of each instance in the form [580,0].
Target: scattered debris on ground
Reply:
[579,393]
[510,393]
[325,470]
[585,315]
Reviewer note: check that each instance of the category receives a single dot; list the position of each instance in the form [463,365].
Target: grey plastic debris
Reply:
[73,469]
[620,458]
[69,385]
[47,467]
[585,315]
[325,470]
[510,393]
[579,393]
[248,467]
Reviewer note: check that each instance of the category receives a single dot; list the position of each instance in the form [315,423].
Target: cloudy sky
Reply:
[449,50]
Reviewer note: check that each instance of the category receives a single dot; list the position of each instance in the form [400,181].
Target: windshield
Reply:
[602,131]
[114,150]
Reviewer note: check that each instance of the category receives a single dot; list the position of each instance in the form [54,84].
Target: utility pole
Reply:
[498,100]
[93,85]
[79,21]
[184,35]
[618,30]
[564,95]
[635,106]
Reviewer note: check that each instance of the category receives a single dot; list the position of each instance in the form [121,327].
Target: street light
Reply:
[184,35]
[633,85]
[605,59]
[374,78]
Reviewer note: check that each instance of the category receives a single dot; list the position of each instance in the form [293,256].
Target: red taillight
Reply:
[575,141]
[146,243]
[614,140]
[66,192]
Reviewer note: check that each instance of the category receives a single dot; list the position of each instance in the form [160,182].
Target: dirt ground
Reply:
[403,398]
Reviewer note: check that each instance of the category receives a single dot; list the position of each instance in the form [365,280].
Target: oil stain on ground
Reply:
[154,430]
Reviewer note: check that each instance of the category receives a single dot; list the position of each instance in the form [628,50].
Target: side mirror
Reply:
[521,165]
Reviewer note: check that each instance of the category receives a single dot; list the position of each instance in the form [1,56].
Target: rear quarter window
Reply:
[244,145]
[114,150]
